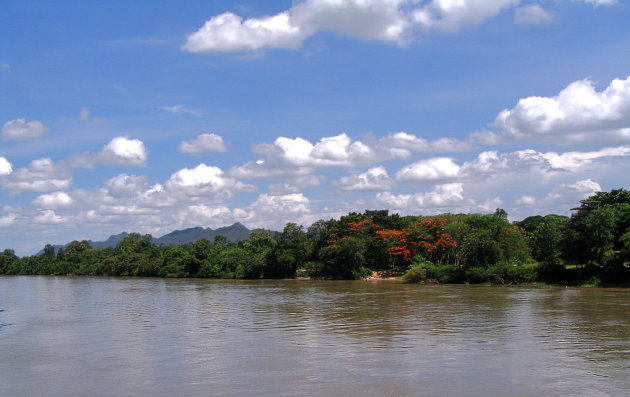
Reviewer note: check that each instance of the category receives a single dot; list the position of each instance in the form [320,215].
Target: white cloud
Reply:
[7,220]
[53,201]
[599,2]
[5,167]
[584,188]
[386,20]
[203,180]
[572,161]
[19,129]
[373,179]
[46,175]
[282,204]
[441,198]
[49,217]
[124,151]
[402,144]
[287,157]
[490,163]
[490,205]
[526,200]
[563,196]
[123,185]
[229,32]
[429,170]
[532,15]
[195,215]
[366,19]
[339,150]
[265,211]
[268,169]
[450,15]
[41,175]
[577,115]
[204,143]
[181,109]
[39,185]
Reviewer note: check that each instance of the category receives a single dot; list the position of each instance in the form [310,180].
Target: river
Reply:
[81,336]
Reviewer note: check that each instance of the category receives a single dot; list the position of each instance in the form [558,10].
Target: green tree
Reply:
[545,242]
[291,251]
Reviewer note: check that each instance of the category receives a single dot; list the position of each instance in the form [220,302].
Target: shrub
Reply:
[477,275]
[508,273]
[314,269]
[361,272]
[416,273]
[445,273]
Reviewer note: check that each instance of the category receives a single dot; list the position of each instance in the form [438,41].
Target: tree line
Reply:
[591,246]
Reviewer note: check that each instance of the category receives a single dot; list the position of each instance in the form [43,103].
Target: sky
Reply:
[152,116]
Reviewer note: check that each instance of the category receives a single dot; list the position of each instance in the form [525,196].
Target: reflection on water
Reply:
[113,336]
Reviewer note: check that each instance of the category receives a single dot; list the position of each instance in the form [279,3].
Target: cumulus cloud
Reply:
[443,196]
[124,151]
[288,157]
[572,161]
[490,163]
[402,145]
[577,115]
[123,185]
[207,181]
[373,179]
[229,32]
[40,176]
[46,175]
[7,220]
[294,207]
[451,15]
[599,2]
[393,21]
[532,15]
[582,189]
[53,201]
[281,204]
[204,143]
[202,214]
[563,195]
[19,129]
[429,170]
[49,217]
[5,167]
[526,200]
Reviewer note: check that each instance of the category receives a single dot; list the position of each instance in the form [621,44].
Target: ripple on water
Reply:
[194,337]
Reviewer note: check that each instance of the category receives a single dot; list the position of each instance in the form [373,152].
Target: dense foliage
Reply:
[592,245]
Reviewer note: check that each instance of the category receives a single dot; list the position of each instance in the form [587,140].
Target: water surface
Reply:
[63,336]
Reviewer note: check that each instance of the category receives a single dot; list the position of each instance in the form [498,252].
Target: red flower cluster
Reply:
[426,236]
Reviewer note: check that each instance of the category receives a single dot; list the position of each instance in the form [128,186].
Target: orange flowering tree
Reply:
[427,237]
[350,247]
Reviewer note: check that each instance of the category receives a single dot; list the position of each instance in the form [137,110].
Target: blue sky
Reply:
[154,116]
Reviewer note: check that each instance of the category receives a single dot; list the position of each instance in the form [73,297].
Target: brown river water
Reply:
[65,336]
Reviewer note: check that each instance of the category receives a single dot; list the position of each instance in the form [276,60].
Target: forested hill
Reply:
[234,233]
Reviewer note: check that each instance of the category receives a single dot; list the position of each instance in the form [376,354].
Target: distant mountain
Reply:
[112,241]
[235,233]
